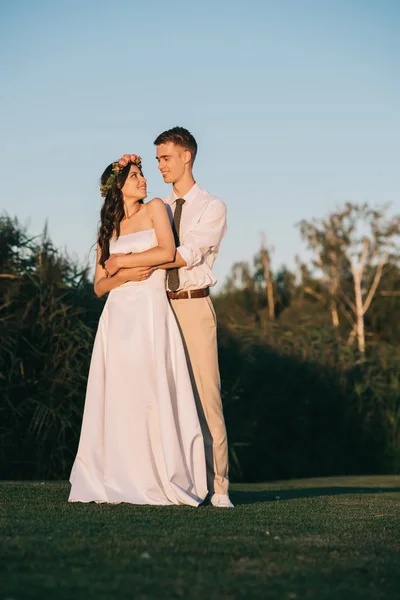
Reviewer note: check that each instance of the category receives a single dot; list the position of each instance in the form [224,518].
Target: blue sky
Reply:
[294,104]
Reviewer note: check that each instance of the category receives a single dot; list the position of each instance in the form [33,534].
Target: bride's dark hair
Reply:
[112,211]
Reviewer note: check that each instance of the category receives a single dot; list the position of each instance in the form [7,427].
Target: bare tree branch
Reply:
[389,293]
[312,292]
[352,335]
[375,283]
[347,300]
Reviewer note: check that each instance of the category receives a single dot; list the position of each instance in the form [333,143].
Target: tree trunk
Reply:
[268,281]
[271,305]
[334,314]
[359,311]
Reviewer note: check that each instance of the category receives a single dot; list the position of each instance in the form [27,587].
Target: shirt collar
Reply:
[190,196]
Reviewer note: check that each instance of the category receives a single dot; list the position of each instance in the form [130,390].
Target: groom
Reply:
[199,223]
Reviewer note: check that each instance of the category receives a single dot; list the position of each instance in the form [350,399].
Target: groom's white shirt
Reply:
[202,227]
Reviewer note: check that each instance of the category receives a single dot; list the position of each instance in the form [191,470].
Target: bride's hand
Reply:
[112,264]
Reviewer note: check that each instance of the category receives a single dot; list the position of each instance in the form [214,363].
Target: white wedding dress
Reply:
[141,440]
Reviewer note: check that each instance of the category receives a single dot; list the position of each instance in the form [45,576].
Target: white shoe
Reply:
[221,501]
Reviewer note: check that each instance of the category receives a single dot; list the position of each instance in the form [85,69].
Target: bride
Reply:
[141,440]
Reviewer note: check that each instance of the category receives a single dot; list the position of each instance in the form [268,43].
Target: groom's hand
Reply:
[139,273]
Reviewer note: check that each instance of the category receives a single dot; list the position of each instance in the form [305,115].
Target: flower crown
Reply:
[117,167]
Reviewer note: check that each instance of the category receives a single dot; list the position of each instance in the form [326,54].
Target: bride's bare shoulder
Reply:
[156,204]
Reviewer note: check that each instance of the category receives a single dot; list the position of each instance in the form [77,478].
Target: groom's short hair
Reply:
[179,136]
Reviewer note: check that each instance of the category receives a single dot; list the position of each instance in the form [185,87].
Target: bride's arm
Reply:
[102,283]
[164,252]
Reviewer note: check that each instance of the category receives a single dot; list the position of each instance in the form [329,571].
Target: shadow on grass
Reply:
[254,497]
[291,412]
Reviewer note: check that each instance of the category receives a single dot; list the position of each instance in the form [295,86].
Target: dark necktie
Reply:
[173,274]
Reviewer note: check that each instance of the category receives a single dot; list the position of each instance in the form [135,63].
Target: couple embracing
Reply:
[153,429]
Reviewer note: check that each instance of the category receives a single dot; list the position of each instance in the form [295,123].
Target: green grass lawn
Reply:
[320,538]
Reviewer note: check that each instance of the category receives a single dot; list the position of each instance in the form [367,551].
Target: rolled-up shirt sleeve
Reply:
[205,235]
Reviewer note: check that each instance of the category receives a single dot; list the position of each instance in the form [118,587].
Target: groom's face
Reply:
[171,161]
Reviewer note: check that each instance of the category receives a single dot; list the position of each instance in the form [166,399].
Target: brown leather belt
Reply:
[184,295]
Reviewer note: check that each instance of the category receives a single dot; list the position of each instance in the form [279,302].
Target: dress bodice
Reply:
[138,241]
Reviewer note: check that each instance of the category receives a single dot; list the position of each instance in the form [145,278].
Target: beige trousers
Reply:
[198,325]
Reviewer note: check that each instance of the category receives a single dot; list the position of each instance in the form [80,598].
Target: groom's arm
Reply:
[201,238]
[177,264]
[163,252]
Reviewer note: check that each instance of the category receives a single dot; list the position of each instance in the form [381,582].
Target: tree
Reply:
[351,248]
[265,261]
